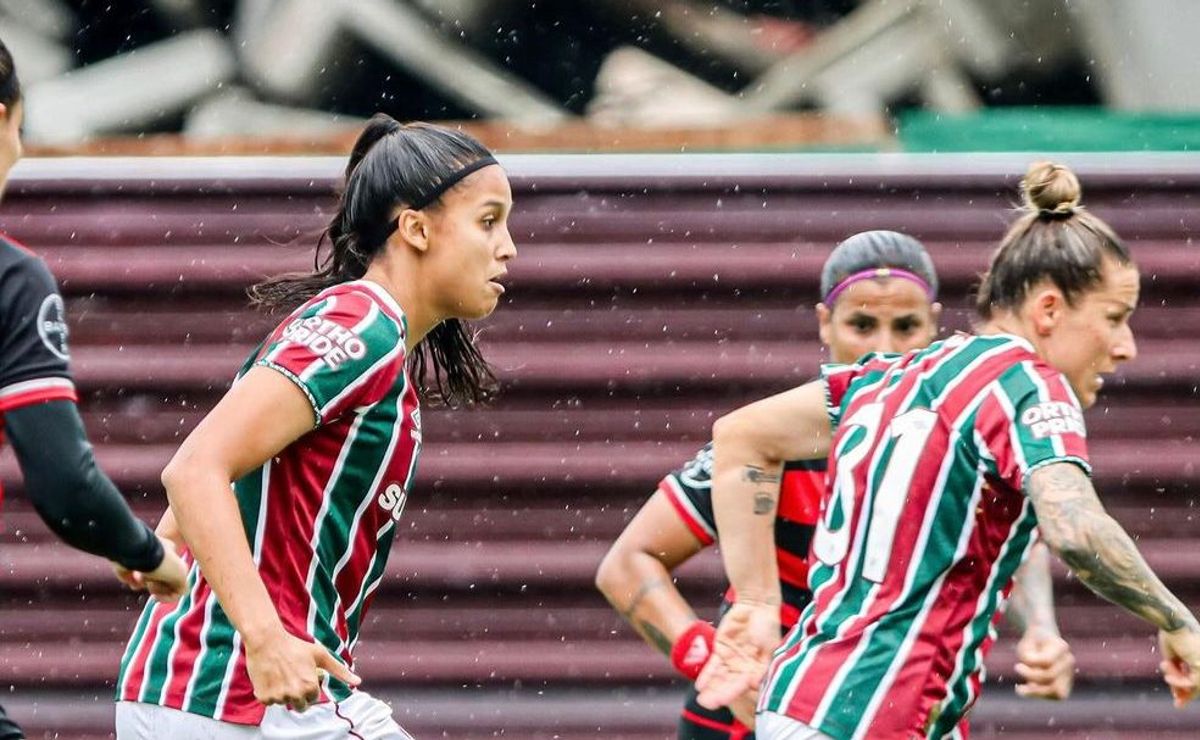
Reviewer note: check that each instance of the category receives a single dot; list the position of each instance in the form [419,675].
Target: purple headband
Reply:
[878,272]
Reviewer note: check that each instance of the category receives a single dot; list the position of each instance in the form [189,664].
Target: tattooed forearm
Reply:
[654,636]
[649,585]
[1098,550]
[764,503]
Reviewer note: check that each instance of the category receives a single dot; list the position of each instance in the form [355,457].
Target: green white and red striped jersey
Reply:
[922,528]
[319,516]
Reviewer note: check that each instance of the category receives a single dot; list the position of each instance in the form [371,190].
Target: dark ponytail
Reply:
[394,164]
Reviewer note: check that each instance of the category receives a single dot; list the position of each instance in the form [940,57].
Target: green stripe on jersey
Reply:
[158,665]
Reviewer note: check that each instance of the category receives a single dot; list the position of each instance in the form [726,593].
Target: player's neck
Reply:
[419,319]
[1009,323]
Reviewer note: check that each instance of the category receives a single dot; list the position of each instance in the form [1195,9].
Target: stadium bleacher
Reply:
[650,295]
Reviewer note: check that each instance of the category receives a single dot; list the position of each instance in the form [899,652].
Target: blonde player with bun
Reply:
[947,464]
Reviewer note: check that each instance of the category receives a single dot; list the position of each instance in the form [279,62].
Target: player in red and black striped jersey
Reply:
[945,464]
[38,415]
[878,293]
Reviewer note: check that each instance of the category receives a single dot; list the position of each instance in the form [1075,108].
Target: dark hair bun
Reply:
[1050,189]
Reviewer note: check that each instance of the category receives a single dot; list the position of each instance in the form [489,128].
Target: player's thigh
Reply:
[361,717]
[137,721]
[773,726]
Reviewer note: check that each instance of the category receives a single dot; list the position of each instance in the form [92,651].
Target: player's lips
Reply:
[494,281]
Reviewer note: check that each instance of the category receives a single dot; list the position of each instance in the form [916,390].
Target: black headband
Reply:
[423,200]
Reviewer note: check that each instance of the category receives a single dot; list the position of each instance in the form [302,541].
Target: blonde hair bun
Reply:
[1050,189]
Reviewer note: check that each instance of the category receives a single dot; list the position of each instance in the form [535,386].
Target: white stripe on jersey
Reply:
[37,384]
[326,498]
[175,638]
[368,588]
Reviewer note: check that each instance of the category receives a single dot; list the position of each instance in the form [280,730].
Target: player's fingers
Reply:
[1034,675]
[325,660]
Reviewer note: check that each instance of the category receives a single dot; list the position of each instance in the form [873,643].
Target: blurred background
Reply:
[681,170]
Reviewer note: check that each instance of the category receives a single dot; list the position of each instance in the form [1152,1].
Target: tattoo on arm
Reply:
[755,474]
[654,636]
[764,503]
[651,584]
[1098,550]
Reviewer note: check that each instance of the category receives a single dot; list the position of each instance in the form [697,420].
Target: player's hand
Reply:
[167,582]
[1181,662]
[287,670]
[1046,666]
[168,529]
[746,637]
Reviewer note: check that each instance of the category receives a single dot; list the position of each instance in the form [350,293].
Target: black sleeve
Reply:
[72,496]
[33,329]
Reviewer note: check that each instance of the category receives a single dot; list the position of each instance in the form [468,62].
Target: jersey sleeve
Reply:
[33,337]
[1031,419]
[689,490]
[343,351]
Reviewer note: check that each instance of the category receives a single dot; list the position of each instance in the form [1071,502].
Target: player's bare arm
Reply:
[1044,659]
[260,415]
[635,575]
[750,446]
[1076,527]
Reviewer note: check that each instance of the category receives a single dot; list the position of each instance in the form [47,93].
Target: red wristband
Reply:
[693,648]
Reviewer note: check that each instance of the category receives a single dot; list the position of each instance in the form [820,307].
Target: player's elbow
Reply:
[183,473]
[613,571]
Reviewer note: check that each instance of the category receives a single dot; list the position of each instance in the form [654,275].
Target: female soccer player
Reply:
[318,438]
[945,462]
[37,410]
[879,291]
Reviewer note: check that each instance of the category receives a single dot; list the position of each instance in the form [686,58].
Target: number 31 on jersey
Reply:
[899,450]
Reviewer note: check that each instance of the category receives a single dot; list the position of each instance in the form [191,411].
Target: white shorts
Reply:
[771,726]
[361,717]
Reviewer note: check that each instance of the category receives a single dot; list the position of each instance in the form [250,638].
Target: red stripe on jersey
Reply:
[736,731]
[793,569]
[136,675]
[800,495]
[38,395]
[689,520]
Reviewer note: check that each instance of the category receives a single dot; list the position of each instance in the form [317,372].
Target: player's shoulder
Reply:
[16,258]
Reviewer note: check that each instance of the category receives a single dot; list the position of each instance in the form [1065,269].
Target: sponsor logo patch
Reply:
[332,342]
[392,499]
[1053,418]
[52,326]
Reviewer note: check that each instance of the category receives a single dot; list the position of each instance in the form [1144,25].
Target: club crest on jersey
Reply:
[332,342]
[392,499]
[1053,418]
[52,326]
